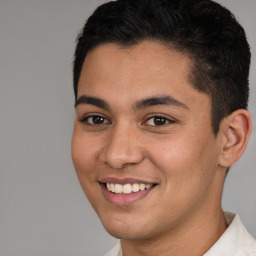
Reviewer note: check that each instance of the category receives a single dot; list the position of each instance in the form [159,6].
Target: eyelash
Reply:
[90,120]
[162,118]
[86,119]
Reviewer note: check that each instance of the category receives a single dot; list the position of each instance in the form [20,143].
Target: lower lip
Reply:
[124,199]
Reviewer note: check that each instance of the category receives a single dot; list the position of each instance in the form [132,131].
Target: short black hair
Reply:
[202,29]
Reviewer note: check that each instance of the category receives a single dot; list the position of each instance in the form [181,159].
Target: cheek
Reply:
[83,154]
[173,154]
[187,174]
[185,161]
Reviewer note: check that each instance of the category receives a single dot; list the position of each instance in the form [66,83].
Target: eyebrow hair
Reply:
[92,101]
[141,104]
[158,100]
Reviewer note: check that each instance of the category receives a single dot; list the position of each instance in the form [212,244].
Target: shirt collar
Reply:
[234,241]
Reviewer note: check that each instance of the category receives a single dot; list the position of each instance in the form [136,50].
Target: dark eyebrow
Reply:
[92,101]
[158,100]
[141,104]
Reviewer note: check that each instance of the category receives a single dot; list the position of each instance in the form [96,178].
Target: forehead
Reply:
[153,57]
[127,74]
[111,61]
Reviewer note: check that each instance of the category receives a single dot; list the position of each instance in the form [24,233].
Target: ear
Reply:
[235,132]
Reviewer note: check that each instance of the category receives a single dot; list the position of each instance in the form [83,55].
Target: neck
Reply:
[194,238]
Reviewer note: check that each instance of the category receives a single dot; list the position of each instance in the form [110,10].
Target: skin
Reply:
[181,155]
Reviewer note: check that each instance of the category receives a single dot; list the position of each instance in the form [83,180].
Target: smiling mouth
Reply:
[127,188]
[125,191]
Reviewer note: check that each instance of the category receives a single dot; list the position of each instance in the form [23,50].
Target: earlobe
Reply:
[236,132]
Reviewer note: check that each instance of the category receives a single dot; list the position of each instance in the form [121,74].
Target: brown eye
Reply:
[95,120]
[158,121]
[98,119]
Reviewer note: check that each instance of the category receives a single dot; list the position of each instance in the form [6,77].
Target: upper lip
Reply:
[123,181]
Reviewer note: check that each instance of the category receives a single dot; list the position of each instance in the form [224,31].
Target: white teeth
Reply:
[135,187]
[127,188]
[112,187]
[142,186]
[118,188]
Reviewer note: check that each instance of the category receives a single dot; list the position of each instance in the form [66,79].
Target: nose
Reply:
[123,148]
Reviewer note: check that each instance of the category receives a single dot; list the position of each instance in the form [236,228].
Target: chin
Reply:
[125,229]
[126,234]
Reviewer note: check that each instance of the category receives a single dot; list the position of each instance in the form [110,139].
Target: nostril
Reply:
[122,160]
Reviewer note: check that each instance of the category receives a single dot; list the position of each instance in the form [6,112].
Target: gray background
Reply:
[43,210]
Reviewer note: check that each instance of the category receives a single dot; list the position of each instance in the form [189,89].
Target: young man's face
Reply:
[140,121]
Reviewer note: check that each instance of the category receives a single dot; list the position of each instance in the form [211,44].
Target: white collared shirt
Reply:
[235,241]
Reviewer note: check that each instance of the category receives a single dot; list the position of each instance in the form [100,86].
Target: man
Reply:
[161,90]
